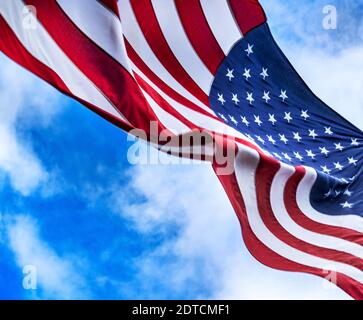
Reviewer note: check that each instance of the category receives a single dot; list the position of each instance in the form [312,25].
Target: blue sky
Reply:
[97,227]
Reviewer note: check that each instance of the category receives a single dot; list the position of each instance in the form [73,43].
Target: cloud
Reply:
[24,102]
[57,276]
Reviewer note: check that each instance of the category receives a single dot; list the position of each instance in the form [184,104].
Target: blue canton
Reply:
[257,91]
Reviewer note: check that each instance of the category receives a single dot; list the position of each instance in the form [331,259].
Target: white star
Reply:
[230,74]
[266,96]
[250,97]
[247,74]
[277,155]
[264,73]
[348,193]
[310,154]
[352,161]
[235,122]
[338,146]
[283,138]
[245,121]
[286,156]
[288,117]
[327,195]
[249,49]
[337,192]
[257,120]
[297,136]
[312,134]
[304,114]
[260,139]
[338,166]
[325,169]
[221,99]
[272,119]
[324,150]
[271,139]
[298,156]
[283,95]
[346,204]
[355,142]
[235,99]
[223,117]
[328,131]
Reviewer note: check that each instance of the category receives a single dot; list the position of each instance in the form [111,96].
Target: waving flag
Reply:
[213,65]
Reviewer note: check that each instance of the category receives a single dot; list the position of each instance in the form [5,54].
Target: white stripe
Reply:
[168,120]
[222,23]
[100,25]
[137,40]
[39,44]
[352,222]
[195,117]
[283,217]
[246,163]
[172,28]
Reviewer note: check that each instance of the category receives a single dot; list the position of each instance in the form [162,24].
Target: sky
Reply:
[94,226]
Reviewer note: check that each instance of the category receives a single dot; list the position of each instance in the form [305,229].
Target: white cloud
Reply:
[57,276]
[24,102]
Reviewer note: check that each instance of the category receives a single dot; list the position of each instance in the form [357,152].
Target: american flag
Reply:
[213,65]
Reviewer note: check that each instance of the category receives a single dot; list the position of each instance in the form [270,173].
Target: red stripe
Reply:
[111,5]
[108,75]
[301,219]
[265,174]
[14,49]
[200,34]
[162,103]
[161,84]
[268,257]
[150,27]
[248,13]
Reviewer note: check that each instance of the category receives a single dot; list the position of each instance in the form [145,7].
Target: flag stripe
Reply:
[11,46]
[111,5]
[246,165]
[221,22]
[274,216]
[147,21]
[169,22]
[137,41]
[269,257]
[249,14]
[167,119]
[200,34]
[106,33]
[300,218]
[303,200]
[141,65]
[35,40]
[284,218]
[199,120]
[165,105]
[103,71]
